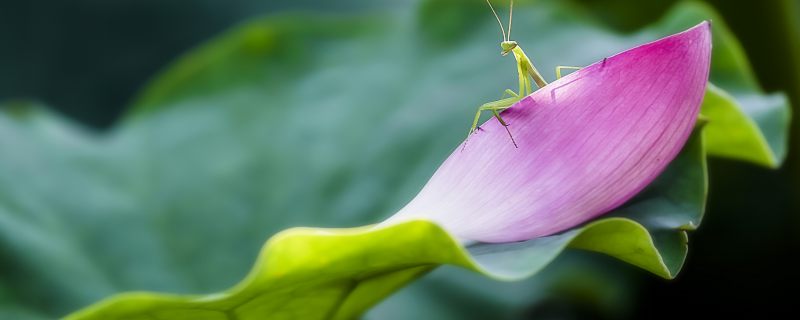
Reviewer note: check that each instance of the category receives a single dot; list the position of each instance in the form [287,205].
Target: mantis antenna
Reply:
[502,30]
[510,15]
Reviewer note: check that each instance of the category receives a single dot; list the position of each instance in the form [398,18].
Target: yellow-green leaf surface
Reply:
[331,122]
[733,134]
[306,273]
[336,274]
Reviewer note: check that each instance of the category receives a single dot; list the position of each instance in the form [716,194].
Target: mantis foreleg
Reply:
[510,93]
[495,107]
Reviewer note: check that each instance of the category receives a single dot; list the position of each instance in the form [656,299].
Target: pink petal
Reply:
[587,143]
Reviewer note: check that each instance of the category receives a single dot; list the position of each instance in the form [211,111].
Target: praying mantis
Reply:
[526,71]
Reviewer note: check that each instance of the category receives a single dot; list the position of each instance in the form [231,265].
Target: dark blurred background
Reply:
[87,59]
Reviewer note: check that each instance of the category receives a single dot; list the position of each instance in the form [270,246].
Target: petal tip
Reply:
[703,27]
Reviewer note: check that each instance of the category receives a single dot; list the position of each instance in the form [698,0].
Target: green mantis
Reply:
[526,71]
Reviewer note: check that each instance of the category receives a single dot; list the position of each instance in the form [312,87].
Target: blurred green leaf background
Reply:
[89,60]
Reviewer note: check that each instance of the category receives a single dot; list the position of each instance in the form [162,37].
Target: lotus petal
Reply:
[587,143]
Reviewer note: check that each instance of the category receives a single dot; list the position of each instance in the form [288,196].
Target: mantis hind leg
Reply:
[559,68]
[495,107]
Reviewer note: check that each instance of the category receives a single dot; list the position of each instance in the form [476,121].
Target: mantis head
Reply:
[507,46]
